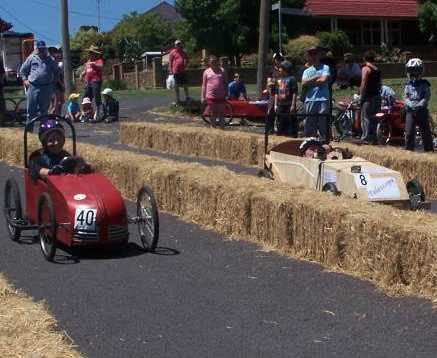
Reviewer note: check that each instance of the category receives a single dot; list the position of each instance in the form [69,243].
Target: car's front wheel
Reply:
[148,218]
[331,188]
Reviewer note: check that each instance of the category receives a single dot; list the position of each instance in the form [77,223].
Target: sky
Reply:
[42,17]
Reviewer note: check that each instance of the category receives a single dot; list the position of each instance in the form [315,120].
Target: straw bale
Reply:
[393,248]
[28,329]
[238,147]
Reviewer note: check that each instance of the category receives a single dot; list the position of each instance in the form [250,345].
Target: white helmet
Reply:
[414,66]
[107,91]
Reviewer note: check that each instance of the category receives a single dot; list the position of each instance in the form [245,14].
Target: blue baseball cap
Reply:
[41,44]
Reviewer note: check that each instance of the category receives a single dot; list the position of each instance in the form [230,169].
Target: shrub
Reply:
[297,47]
[115,85]
[337,41]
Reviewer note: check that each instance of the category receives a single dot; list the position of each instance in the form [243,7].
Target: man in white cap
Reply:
[178,61]
[39,72]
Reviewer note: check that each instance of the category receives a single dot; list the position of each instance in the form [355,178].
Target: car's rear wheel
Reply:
[382,133]
[331,188]
[148,218]
[12,208]
[206,114]
[47,226]
[416,193]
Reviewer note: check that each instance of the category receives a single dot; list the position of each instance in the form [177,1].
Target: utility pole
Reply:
[68,83]
[99,16]
[280,26]
[263,44]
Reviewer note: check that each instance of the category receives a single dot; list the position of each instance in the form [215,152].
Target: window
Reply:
[371,33]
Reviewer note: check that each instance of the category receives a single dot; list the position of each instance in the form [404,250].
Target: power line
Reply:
[75,12]
[25,25]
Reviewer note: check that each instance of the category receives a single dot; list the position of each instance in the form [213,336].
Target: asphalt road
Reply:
[205,296]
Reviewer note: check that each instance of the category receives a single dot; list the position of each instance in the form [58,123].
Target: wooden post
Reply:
[137,76]
[263,44]
[68,72]
[121,71]
[158,77]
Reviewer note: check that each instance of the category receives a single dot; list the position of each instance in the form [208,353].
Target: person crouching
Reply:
[87,112]
[110,106]
[417,93]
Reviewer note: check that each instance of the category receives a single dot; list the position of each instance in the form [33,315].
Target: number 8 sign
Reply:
[85,219]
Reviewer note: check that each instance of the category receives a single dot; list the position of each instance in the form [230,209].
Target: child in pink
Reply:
[214,90]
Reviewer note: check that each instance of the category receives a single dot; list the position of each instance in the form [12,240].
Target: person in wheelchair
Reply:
[52,159]
[315,149]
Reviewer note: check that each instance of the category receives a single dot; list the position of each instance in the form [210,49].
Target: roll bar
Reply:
[45,117]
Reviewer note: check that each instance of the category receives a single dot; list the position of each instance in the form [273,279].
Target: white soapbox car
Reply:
[354,177]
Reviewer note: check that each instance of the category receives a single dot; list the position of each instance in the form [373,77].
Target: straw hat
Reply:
[94,49]
[73,96]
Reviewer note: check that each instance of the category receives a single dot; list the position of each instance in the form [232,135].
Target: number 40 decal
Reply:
[85,218]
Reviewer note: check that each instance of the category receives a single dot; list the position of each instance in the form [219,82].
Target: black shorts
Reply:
[180,79]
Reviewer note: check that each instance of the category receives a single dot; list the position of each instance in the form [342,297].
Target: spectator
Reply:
[40,73]
[93,77]
[58,98]
[236,89]
[2,98]
[370,92]
[87,112]
[315,85]
[349,74]
[73,107]
[110,106]
[285,101]
[278,58]
[270,92]
[214,91]
[178,60]
[327,58]
[417,94]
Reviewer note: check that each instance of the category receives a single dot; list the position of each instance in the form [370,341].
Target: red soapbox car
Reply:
[80,208]
[248,110]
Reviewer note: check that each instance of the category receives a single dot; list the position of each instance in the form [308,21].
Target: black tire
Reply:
[416,193]
[382,133]
[265,173]
[204,113]
[47,226]
[148,223]
[331,188]
[12,208]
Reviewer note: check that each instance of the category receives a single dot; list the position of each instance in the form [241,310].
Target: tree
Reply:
[137,33]
[84,39]
[428,18]
[226,27]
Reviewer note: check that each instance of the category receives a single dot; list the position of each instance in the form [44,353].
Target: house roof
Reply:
[166,11]
[367,8]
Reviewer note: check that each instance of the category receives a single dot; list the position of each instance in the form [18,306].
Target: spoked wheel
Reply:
[206,114]
[416,193]
[331,188]
[382,133]
[12,208]
[47,226]
[148,219]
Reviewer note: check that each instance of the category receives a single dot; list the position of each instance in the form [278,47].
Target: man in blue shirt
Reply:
[315,89]
[236,88]
[40,72]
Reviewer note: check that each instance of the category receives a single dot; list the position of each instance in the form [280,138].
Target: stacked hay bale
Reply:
[396,249]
